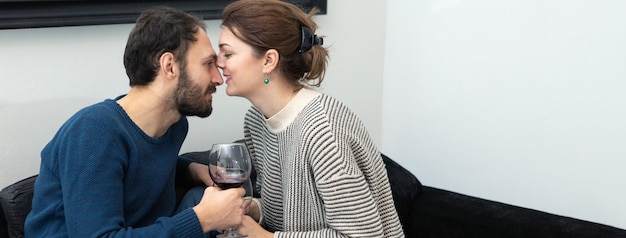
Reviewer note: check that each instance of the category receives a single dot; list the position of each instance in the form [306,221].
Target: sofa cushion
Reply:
[16,201]
[198,156]
[404,186]
[440,213]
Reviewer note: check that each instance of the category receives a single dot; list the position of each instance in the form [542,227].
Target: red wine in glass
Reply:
[230,167]
[230,178]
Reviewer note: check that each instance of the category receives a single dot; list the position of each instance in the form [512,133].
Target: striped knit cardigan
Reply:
[319,173]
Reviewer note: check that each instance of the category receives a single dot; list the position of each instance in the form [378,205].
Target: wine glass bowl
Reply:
[230,167]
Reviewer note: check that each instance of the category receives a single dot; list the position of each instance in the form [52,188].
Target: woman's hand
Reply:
[254,210]
[251,229]
[200,173]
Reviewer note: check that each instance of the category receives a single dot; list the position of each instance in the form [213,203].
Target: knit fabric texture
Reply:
[319,172]
[102,176]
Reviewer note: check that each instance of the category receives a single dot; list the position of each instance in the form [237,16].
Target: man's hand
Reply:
[200,173]
[220,209]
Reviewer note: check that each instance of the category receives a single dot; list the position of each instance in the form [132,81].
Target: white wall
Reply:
[522,102]
[47,74]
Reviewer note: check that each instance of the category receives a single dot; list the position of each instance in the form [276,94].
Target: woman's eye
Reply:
[227,55]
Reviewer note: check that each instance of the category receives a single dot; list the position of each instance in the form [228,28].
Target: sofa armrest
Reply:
[4,229]
[16,201]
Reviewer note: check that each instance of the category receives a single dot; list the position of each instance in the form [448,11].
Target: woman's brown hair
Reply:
[274,24]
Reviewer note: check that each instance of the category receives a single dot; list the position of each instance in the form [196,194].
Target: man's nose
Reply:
[217,77]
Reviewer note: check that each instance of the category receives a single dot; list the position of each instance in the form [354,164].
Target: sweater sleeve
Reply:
[350,208]
[350,178]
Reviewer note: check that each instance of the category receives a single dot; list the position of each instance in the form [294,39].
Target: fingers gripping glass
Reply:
[230,167]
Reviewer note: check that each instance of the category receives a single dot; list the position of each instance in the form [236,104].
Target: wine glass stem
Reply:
[231,232]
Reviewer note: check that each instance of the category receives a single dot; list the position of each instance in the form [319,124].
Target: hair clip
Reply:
[308,40]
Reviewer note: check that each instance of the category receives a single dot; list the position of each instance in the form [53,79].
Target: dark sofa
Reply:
[424,212]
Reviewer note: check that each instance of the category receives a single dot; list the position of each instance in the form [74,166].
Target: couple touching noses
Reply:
[111,168]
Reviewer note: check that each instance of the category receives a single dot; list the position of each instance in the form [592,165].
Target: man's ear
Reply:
[271,58]
[169,67]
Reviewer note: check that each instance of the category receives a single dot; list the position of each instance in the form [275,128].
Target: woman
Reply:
[319,172]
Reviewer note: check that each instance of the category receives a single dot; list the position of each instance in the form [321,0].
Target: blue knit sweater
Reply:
[102,176]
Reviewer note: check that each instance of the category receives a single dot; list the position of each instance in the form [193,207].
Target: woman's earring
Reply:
[267,79]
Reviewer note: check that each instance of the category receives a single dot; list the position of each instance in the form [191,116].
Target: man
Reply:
[110,169]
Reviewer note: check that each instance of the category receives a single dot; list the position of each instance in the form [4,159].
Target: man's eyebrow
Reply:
[211,57]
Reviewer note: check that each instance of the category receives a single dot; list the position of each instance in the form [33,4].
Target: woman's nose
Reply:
[220,61]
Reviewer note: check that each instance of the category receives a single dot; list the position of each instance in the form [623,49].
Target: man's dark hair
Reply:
[158,30]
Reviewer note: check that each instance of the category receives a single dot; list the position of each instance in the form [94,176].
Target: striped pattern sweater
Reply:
[319,173]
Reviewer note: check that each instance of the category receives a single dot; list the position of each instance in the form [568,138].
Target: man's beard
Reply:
[189,98]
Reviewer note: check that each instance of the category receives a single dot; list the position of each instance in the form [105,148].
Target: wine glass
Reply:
[230,167]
